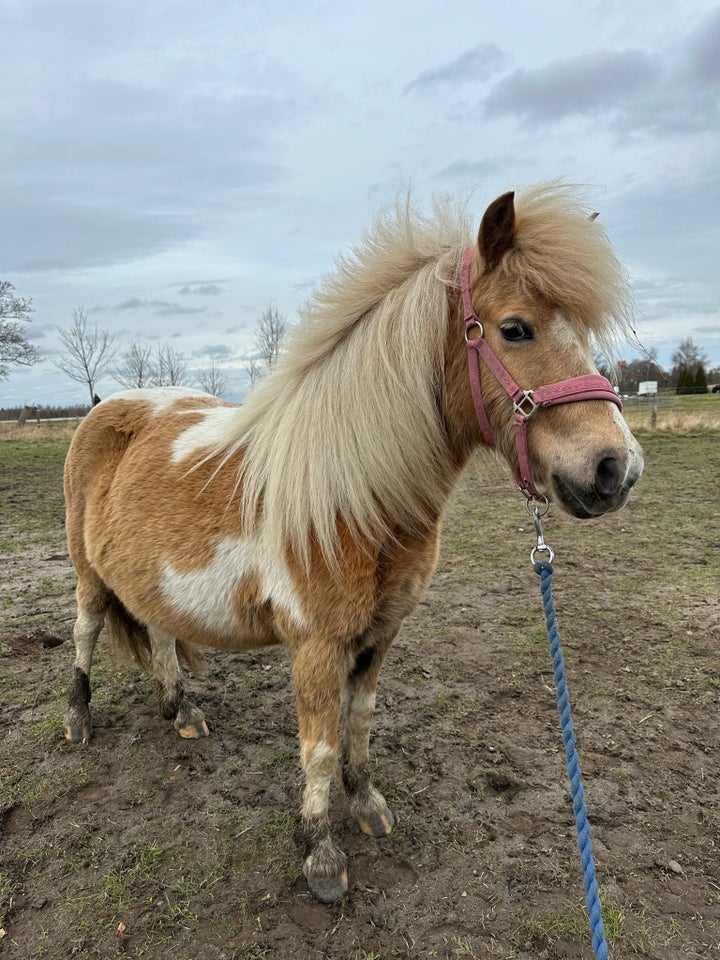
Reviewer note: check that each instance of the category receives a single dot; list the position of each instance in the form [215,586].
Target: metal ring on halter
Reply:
[531,505]
[469,327]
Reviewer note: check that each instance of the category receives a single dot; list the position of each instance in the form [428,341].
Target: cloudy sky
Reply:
[175,167]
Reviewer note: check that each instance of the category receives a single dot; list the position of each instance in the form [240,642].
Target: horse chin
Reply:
[584,503]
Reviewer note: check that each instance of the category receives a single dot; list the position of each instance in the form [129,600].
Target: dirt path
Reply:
[142,845]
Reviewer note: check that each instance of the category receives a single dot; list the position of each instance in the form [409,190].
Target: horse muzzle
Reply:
[608,490]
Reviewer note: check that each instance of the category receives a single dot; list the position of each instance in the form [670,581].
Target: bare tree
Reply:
[88,353]
[271,329]
[14,347]
[269,334]
[213,380]
[136,368]
[170,368]
[255,371]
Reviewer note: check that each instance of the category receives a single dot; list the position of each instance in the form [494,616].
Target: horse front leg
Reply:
[188,720]
[319,682]
[407,569]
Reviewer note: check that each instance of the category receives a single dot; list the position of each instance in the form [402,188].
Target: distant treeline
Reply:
[44,413]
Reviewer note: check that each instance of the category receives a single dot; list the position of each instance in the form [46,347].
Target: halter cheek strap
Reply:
[525,402]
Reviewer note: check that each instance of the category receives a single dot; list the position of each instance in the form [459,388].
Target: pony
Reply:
[310,514]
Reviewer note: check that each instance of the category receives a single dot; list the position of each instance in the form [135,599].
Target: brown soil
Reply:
[142,845]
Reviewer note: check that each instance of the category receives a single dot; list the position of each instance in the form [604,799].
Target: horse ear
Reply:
[497,229]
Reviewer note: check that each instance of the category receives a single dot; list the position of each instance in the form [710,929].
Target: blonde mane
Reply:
[348,427]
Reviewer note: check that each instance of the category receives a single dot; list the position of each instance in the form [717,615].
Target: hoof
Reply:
[194,731]
[377,824]
[78,734]
[326,868]
[328,889]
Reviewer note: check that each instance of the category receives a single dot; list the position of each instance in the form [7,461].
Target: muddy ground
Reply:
[142,845]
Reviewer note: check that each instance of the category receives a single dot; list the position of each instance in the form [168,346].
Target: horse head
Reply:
[540,286]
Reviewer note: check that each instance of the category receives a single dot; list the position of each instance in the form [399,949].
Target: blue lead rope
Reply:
[544,570]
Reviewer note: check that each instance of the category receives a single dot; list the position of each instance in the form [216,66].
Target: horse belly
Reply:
[211,597]
[172,550]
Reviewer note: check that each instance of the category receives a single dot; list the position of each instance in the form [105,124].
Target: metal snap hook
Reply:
[541,547]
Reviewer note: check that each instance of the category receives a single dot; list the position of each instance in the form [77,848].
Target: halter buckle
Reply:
[525,406]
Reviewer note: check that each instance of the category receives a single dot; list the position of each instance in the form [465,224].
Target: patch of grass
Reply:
[251,951]
[119,888]
[283,758]
[462,947]
[33,510]
[150,880]
[32,431]
[695,402]
[25,791]
[278,828]
[547,928]
[47,730]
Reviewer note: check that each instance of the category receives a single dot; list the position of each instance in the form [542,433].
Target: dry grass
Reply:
[677,415]
[55,430]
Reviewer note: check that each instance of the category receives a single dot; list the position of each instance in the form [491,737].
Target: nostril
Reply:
[609,476]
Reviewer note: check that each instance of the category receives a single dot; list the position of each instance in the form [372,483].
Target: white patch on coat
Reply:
[566,337]
[210,431]
[85,633]
[319,770]
[207,594]
[159,398]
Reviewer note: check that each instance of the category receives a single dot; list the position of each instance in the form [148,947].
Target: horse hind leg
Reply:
[188,720]
[78,721]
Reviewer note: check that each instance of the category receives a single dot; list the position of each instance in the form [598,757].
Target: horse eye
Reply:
[516,330]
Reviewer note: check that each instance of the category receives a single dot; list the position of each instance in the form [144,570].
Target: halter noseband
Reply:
[525,402]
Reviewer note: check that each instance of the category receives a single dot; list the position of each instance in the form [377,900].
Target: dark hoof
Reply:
[194,731]
[377,824]
[78,734]
[328,889]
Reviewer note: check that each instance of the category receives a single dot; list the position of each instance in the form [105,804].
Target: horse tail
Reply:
[129,640]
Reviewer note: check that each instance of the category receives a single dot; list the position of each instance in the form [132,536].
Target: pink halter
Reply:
[525,402]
